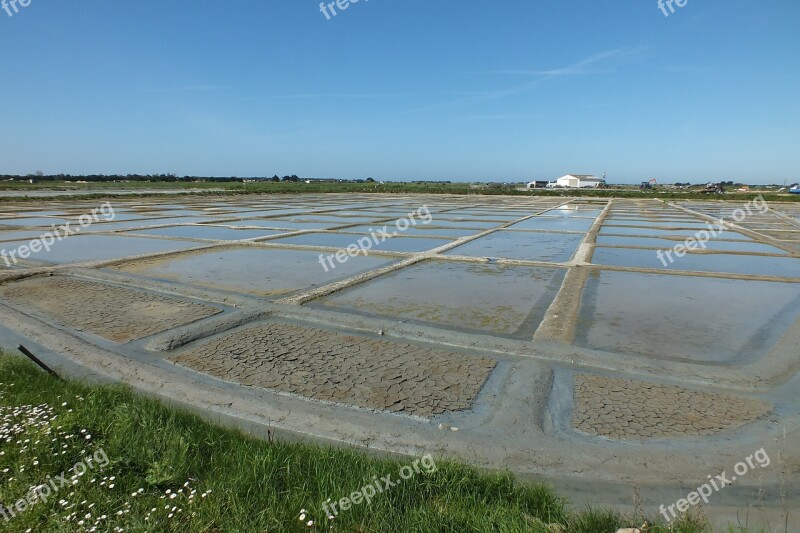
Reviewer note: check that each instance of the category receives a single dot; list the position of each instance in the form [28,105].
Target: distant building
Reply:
[578,181]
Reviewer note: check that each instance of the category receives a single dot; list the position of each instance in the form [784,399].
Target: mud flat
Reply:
[543,335]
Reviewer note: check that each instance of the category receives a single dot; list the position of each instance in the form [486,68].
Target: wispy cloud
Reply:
[187,89]
[339,95]
[555,72]
[501,116]
[542,77]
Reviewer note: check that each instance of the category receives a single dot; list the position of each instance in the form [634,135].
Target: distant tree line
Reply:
[166,178]
[114,177]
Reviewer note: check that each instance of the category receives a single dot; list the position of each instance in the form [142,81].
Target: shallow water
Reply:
[725,263]
[499,299]
[164,221]
[279,224]
[419,230]
[678,317]
[80,248]
[261,271]
[657,224]
[478,224]
[20,235]
[712,244]
[525,245]
[555,224]
[208,232]
[581,211]
[655,232]
[396,244]
[42,222]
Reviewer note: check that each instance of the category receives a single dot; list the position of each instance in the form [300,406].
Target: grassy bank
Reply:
[157,469]
[108,190]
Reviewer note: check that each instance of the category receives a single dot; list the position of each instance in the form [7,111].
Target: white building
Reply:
[578,181]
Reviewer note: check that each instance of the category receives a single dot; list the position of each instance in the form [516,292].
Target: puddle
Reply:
[81,248]
[695,319]
[725,263]
[499,299]
[265,272]
[524,245]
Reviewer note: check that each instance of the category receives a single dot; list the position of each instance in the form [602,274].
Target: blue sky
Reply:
[411,89]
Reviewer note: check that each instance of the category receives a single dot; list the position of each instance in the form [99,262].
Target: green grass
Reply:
[108,189]
[249,484]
